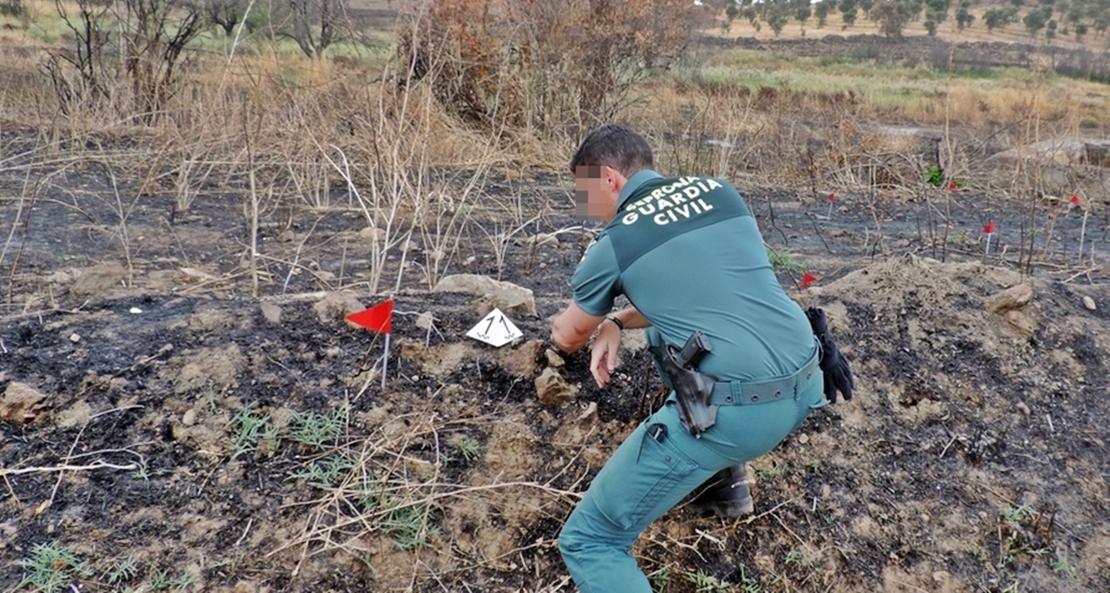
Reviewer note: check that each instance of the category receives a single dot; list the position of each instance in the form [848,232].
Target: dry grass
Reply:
[354,131]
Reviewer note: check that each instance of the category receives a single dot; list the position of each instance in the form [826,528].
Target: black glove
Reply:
[838,375]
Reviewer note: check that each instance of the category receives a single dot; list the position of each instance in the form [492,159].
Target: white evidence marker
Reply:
[495,329]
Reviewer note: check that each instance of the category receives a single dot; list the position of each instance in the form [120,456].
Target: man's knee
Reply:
[571,537]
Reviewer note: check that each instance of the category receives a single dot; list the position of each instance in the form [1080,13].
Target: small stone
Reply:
[271,312]
[334,307]
[1089,303]
[522,360]
[1012,298]
[1024,408]
[1021,321]
[553,359]
[552,389]
[189,418]
[21,403]
[75,338]
[97,280]
[372,233]
[803,438]
[135,310]
[544,239]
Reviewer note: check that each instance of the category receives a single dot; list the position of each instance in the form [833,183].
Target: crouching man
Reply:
[743,361]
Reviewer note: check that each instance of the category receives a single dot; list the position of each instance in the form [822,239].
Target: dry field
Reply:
[183,408]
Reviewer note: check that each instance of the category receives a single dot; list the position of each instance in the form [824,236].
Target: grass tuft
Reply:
[52,567]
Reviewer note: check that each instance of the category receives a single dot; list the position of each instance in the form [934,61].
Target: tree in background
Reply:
[155,36]
[821,10]
[848,12]
[1036,19]
[998,18]
[801,9]
[224,13]
[545,65]
[892,16]
[92,31]
[12,8]
[964,18]
[936,12]
[777,15]
[151,36]
[316,23]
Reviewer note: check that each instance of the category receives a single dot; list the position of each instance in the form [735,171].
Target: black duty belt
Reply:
[746,393]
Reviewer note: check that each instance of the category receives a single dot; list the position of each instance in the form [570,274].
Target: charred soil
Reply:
[165,430]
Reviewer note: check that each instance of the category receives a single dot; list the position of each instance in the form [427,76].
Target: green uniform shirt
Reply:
[687,253]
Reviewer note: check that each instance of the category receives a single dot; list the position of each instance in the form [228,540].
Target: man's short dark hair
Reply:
[616,146]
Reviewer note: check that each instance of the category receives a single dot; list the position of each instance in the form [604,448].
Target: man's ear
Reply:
[609,175]
[614,181]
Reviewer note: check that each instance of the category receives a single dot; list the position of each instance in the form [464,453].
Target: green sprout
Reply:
[52,567]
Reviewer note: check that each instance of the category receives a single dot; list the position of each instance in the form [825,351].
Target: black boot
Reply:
[727,494]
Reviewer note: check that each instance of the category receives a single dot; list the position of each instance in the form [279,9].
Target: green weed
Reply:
[707,583]
[409,526]
[1018,514]
[124,572]
[1061,563]
[781,259]
[250,427]
[660,578]
[141,471]
[766,473]
[748,584]
[316,430]
[325,473]
[52,568]
[161,581]
[934,176]
[372,496]
[469,449]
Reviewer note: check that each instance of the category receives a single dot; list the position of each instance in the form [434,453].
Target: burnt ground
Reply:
[165,430]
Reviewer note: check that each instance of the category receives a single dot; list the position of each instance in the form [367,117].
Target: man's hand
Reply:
[603,354]
[838,374]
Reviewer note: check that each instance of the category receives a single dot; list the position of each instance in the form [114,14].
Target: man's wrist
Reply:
[617,322]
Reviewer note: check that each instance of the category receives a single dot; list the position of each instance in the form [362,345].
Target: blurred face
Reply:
[595,192]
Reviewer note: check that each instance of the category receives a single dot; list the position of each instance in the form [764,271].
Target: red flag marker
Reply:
[1075,199]
[989,231]
[952,186]
[832,198]
[378,318]
[807,279]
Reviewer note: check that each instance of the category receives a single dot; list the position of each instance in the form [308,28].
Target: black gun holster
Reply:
[692,387]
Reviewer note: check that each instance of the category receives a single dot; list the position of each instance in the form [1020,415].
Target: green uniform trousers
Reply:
[653,470]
